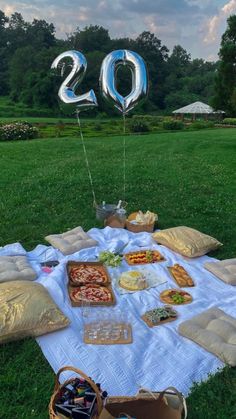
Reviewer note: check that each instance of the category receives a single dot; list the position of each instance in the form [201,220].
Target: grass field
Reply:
[187,177]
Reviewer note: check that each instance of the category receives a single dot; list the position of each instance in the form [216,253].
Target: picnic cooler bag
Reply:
[58,387]
[168,404]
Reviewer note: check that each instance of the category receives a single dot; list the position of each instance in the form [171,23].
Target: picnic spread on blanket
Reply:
[132,309]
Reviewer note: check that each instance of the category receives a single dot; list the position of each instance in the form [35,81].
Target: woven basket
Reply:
[138,228]
[58,387]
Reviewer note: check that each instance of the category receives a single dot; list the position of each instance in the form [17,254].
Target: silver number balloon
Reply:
[109,68]
[67,89]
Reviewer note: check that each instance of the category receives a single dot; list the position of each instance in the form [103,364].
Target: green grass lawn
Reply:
[188,178]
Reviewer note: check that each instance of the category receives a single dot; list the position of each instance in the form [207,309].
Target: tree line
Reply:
[27,50]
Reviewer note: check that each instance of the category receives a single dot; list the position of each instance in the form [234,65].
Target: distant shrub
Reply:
[102,115]
[229,121]
[18,131]
[173,125]
[98,126]
[59,128]
[151,119]
[202,124]
[139,123]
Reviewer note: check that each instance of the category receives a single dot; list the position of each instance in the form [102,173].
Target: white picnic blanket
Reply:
[158,357]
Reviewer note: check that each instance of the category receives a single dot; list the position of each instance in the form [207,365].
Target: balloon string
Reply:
[124,155]
[86,156]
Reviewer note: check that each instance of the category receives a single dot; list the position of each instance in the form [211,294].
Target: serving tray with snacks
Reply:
[175,296]
[159,315]
[141,257]
[181,276]
[89,282]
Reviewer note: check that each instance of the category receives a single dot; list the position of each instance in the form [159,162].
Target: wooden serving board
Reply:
[181,284]
[125,336]
[143,261]
[150,324]
[167,300]
[98,265]
[79,303]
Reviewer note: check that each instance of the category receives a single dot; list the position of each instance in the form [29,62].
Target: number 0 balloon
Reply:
[109,68]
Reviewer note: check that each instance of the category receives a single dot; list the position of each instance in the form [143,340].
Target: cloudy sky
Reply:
[197,25]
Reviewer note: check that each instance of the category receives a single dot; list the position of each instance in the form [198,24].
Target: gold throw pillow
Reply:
[26,309]
[186,241]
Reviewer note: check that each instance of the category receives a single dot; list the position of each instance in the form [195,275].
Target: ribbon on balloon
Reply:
[107,81]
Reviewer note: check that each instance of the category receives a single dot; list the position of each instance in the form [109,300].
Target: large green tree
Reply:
[3,55]
[225,83]
[27,50]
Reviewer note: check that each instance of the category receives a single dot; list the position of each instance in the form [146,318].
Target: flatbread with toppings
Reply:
[86,274]
[175,296]
[91,293]
[143,256]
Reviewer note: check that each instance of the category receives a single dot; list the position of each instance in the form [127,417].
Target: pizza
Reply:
[87,274]
[91,293]
[143,256]
[181,276]
[175,296]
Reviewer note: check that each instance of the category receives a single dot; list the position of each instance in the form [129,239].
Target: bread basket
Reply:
[138,228]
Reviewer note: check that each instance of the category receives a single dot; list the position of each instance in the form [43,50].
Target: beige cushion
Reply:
[186,241]
[72,241]
[215,331]
[26,309]
[225,270]
[15,268]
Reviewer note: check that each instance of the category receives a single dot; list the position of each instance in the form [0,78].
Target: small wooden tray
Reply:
[93,303]
[139,252]
[167,300]
[98,265]
[150,324]
[124,338]
[181,285]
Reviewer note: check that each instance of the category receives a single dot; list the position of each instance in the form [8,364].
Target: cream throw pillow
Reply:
[215,331]
[13,268]
[26,309]
[225,270]
[72,241]
[186,241]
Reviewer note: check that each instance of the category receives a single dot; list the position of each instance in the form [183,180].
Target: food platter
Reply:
[181,276]
[183,297]
[82,273]
[142,257]
[159,315]
[93,295]
[89,282]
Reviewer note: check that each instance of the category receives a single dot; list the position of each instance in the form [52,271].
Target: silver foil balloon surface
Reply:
[67,89]
[139,91]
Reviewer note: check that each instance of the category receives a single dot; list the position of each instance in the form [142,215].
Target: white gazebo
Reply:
[196,108]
